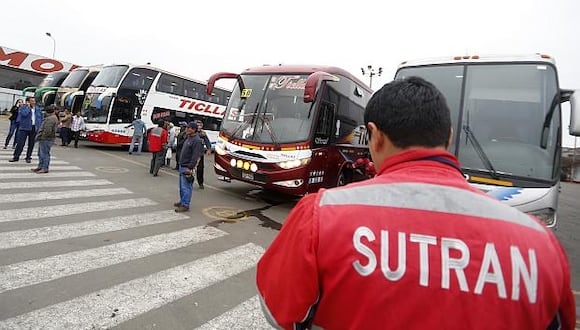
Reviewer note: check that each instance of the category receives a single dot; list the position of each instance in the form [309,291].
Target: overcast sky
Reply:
[199,38]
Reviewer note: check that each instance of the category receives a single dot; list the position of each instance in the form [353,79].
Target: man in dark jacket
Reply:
[191,153]
[29,119]
[181,137]
[201,166]
[45,136]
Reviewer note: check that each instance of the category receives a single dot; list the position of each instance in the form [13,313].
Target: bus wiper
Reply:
[245,123]
[478,149]
[266,122]
[547,120]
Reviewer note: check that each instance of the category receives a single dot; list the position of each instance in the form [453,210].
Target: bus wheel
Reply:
[342,179]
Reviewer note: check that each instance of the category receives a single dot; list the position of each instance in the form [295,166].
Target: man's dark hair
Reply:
[51,108]
[29,98]
[411,112]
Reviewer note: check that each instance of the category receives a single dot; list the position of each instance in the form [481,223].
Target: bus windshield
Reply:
[504,110]
[75,79]
[96,108]
[270,109]
[53,79]
[110,76]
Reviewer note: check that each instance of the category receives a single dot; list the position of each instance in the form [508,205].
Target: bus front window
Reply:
[96,109]
[110,76]
[75,79]
[270,109]
[505,107]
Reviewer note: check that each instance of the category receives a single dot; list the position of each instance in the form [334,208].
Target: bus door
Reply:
[321,173]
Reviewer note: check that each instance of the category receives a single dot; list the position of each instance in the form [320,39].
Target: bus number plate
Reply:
[247,175]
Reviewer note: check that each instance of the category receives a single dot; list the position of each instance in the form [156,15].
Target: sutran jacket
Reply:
[414,248]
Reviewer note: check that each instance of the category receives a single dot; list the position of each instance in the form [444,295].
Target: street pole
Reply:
[371,72]
[53,44]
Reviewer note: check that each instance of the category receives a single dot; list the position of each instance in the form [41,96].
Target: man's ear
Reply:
[376,138]
[450,139]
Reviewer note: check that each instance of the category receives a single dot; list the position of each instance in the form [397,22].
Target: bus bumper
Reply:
[289,182]
[108,138]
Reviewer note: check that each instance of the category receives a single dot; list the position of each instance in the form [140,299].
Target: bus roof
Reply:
[307,69]
[462,59]
[130,65]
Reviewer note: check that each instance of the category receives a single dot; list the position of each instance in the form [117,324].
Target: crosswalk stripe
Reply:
[52,168]
[135,297]
[247,315]
[72,208]
[23,163]
[51,195]
[36,271]
[53,184]
[6,156]
[20,238]
[31,175]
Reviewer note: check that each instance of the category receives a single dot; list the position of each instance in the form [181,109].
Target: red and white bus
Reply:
[294,129]
[120,93]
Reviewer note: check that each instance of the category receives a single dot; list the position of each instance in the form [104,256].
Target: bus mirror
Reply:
[222,75]
[574,128]
[313,83]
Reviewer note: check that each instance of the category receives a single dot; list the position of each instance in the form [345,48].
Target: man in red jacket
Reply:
[416,247]
[157,139]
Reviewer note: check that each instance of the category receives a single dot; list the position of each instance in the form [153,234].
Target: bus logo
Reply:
[246,92]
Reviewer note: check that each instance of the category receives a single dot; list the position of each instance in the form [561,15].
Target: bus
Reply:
[121,93]
[70,93]
[293,129]
[506,117]
[45,93]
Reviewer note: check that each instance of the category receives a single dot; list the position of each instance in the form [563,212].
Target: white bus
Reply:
[120,93]
[507,124]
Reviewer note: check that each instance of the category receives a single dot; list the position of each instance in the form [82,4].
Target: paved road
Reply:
[95,244]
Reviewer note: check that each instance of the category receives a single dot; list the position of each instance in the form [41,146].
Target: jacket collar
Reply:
[396,161]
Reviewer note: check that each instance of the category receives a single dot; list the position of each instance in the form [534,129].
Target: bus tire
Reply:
[343,179]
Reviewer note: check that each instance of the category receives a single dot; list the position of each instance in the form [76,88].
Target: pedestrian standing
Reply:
[29,118]
[191,153]
[429,252]
[77,126]
[138,134]
[65,132]
[170,143]
[180,139]
[207,145]
[45,137]
[13,124]
[157,144]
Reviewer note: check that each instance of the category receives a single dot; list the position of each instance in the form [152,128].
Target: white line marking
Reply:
[23,163]
[53,184]
[52,168]
[247,315]
[36,271]
[51,195]
[32,175]
[21,158]
[130,299]
[13,239]
[70,209]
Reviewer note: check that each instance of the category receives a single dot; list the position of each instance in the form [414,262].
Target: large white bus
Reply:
[120,93]
[507,124]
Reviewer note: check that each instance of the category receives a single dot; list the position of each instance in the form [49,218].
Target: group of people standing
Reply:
[191,144]
[28,124]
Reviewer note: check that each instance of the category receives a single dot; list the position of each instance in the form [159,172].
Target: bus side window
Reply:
[326,119]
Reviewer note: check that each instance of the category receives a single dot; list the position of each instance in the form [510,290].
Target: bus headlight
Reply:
[547,216]
[294,163]
[253,167]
